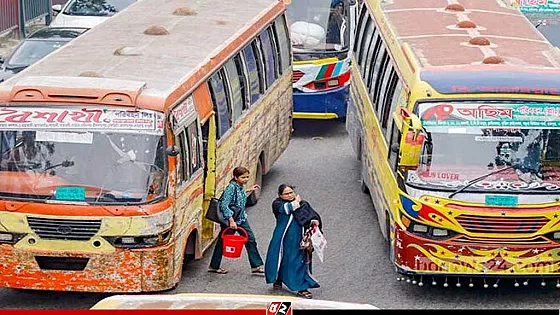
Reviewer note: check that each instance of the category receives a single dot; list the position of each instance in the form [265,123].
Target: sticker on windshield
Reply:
[64,137]
[70,193]
[501,200]
[498,139]
[537,6]
[527,115]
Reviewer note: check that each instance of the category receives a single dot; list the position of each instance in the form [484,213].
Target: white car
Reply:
[86,13]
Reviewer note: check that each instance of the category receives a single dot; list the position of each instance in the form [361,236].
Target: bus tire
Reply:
[254,196]
[363,186]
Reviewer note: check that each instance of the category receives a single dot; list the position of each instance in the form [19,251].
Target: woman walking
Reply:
[235,195]
[285,261]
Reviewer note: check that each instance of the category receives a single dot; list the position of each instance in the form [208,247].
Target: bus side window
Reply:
[360,27]
[268,52]
[363,39]
[368,48]
[284,45]
[194,147]
[183,157]
[253,69]
[220,100]
[372,54]
[243,74]
[394,143]
[390,108]
[364,45]
[385,93]
[379,72]
[235,91]
[275,52]
[259,56]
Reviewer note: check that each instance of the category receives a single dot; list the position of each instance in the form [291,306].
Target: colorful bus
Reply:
[321,36]
[454,115]
[113,146]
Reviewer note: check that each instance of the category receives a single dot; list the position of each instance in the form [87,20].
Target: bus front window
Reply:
[107,167]
[516,159]
[318,25]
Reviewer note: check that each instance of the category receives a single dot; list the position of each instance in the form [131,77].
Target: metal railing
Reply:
[14,14]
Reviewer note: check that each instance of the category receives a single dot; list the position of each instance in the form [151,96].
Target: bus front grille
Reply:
[61,263]
[62,229]
[486,224]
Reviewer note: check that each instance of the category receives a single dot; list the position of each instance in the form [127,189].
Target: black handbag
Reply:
[305,214]
[214,213]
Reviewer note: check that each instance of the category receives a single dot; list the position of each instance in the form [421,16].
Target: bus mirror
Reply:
[395,148]
[172,151]
[411,149]
[410,119]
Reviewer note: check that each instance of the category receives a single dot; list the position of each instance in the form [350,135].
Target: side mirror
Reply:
[1,60]
[411,149]
[57,8]
[395,148]
[172,150]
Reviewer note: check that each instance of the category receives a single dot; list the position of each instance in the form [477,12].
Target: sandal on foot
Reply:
[277,285]
[305,294]
[219,270]
[257,270]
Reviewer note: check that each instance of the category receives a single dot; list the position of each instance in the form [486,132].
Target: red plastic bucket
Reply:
[233,243]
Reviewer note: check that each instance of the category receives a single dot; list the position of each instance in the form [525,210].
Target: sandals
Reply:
[277,285]
[257,270]
[305,294]
[219,271]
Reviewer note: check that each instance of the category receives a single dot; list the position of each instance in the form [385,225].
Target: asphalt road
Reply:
[320,162]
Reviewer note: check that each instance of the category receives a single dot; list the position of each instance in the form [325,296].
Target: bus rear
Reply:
[321,35]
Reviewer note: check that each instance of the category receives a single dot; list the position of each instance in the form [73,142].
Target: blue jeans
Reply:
[255,259]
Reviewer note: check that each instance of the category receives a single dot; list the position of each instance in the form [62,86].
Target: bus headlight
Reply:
[141,241]
[10,238]
[430,231]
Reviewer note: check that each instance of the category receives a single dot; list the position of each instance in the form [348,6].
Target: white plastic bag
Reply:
[319,243]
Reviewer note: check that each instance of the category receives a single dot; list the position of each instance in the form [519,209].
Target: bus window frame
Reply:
[220,73]
[267,63]
[242,68]
[285,56]
[359,31]
[259,79]
[371,55]
[261,67]
[234,101]
[379,77]
[361,42]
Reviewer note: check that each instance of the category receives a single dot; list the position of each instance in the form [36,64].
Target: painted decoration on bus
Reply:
[37,118]
[528,115]
[537,6]
[181,112]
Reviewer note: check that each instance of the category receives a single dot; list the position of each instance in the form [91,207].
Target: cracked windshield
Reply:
[514,147]
[120,158]
[317,26]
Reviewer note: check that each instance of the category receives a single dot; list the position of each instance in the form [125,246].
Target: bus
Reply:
[321,36]
[113,146]
[454,116]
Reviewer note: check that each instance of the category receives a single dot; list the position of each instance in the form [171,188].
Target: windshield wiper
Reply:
[63,164]
[476,180]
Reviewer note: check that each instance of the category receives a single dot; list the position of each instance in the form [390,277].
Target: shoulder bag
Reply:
[214,213]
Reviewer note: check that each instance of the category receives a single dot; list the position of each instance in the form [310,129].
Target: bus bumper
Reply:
[120,271]
[499,258]
[321,105]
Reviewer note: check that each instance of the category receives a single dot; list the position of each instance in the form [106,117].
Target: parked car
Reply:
[86,13]
[36,46]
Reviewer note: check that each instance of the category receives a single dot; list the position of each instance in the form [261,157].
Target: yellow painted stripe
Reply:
[316,62]
[314,115]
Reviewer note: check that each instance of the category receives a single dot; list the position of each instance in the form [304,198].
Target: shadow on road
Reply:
[308,128]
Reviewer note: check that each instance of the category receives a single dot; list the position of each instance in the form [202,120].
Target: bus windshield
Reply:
[92,166]
[318,25]
[467,141]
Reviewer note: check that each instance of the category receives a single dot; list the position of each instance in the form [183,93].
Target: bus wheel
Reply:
[254,196]
[363,186]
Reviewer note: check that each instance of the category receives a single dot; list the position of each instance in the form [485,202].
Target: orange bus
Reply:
[112,147]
